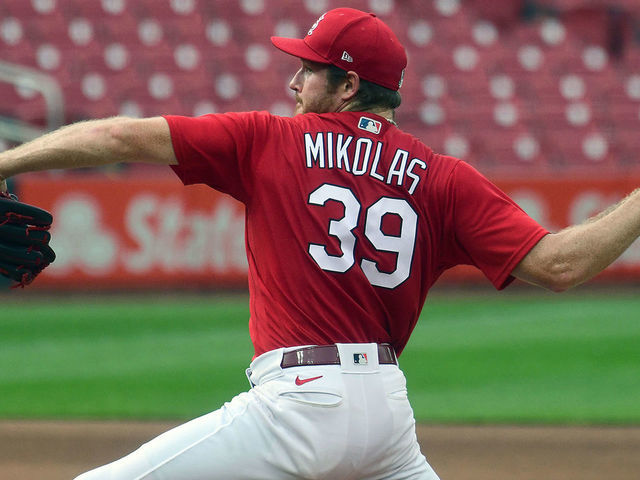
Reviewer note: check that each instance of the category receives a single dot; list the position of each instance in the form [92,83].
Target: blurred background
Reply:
[542,96]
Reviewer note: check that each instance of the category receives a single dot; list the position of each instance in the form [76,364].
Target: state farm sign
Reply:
[140,233]
[172,238]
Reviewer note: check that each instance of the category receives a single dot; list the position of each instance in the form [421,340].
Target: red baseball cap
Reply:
[352,40]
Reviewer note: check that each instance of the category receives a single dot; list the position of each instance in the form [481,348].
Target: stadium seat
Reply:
[501,12]
[118,28]
[21,53]
[623,115]
[590,24]
[581,147]
[80,9]
[433,136]
[184,28]
[18,8]
[625,147]
[48,28]
[31,109]
[101,108]
[508,146]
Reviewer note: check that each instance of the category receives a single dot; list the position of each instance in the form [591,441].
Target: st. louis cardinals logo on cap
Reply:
[315,25]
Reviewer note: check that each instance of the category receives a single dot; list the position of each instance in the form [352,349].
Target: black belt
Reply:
[328,355]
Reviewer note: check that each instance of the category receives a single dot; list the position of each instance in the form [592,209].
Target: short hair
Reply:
[370,95]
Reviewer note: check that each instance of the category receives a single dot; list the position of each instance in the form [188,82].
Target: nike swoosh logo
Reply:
[302,381]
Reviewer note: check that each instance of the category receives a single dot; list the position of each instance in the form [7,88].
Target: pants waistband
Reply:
[330,355]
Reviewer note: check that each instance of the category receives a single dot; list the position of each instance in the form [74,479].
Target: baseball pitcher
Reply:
[349,222]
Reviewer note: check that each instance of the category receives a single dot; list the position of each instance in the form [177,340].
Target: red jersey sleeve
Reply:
[490,231]
[215,150]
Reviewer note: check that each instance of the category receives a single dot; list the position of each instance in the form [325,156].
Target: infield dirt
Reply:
[61,450]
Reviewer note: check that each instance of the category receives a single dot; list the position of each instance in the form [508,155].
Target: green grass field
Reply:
[475,357]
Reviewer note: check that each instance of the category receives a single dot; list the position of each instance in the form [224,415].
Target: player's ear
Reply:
[350,86]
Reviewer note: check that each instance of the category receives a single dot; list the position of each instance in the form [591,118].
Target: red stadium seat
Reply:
[50,28]
[18,8]
[81,8]
[432,136]
[588,23]
[624,115]
[501,12]
[121,27]
[626,145]
[509,147]
[581,147]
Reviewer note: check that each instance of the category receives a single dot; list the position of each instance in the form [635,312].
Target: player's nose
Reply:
[295,83]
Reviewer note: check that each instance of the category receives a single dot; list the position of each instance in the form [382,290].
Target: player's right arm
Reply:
[91,144]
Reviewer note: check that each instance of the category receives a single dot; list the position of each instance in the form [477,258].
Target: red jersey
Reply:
[349,221]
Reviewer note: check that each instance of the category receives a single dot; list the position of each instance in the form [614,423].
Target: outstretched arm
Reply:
[574,255]
[92,143]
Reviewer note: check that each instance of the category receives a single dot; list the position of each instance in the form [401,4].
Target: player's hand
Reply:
[3,186]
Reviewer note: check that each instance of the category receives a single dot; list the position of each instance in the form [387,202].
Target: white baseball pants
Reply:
[348,421]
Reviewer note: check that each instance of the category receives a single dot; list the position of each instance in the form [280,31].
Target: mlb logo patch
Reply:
[360,359]
[369,125]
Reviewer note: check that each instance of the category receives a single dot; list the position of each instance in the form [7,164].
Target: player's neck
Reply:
[387,113]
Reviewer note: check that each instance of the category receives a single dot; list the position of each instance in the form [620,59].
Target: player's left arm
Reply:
[574,255]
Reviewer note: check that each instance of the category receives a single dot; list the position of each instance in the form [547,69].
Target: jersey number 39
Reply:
[402,245]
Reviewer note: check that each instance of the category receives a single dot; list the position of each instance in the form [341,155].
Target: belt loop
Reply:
[248,373]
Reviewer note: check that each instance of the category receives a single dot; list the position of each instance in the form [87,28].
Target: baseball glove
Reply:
[24,240]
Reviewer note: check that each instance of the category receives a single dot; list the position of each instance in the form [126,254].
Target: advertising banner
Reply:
[149,231]
[139,232]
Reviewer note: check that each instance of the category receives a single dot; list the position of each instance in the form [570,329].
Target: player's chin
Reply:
[298,109]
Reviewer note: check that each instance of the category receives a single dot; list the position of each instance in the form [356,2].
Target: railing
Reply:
[19,131]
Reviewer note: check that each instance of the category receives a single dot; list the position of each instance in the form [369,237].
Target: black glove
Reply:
[24,240]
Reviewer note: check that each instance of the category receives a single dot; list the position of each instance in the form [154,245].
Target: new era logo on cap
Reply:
[346,57]
[369,125]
